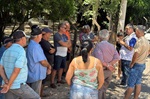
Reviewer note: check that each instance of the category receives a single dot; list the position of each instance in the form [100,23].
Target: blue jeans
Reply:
[125,67]
[83,92]
[135,75]
[1,95]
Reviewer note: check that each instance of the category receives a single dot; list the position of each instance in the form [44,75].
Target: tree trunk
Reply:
[95,13]
[122,16]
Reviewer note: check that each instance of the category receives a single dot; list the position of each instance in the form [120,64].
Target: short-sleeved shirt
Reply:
[58,37]
[15,57]
[35,54]
[126,54]
[105,52]
[46,46]
[142,47]
[86,36]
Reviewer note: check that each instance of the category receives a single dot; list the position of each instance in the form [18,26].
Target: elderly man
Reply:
[137,66]
[108,55]
[48,49]
[37,62]
[126,52]
[14,64]
[61,44]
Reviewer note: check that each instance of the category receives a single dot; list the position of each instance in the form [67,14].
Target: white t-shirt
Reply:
[126,54]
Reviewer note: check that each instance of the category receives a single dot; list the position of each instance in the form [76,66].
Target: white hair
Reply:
[104,34]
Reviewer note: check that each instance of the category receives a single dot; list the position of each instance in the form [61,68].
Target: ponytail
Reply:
[85,49]
[84,54]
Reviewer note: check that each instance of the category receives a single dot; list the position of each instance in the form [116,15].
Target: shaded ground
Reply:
[115,91]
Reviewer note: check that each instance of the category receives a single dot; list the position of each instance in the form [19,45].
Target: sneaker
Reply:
[61,82]
[53,86]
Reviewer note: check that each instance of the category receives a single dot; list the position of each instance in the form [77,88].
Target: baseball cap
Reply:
[47,30]
[6,40]
[18,34]
[35,30]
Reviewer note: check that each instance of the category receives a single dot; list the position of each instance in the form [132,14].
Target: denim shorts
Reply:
[135,74]
[59,62]
[82,92]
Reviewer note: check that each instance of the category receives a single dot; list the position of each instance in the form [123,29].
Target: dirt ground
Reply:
[115,91]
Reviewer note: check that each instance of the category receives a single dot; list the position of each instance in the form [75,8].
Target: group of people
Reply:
[90,73]
[24,70]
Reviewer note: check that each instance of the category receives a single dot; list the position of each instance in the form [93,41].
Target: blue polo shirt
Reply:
[15,57]
[35,54]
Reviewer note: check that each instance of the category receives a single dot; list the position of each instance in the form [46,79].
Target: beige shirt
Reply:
[142,47]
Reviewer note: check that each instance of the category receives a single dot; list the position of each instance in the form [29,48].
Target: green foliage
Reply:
[89,6]
[19,11]
[60,9]
[137,9]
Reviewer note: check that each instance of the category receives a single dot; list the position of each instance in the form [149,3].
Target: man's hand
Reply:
[5,88]
[111,68]
[121,42]
[48,71]
[131,65]
[6,81]
[52,50]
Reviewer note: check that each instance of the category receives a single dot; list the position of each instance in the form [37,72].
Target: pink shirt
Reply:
[106,52]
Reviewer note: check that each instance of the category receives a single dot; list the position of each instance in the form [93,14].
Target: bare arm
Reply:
[100,74]
[65,44]
[3,75]
[133,59]
[70,72]
[13,76]
[125,45]
[52,50]
[45,64]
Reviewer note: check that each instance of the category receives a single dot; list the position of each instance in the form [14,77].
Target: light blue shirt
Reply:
[35,54]
[15,57]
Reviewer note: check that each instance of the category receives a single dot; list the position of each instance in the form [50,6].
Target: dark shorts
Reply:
[59,62]
[135,75]
[68,56]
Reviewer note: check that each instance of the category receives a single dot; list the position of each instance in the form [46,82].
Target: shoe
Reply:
[61,82]
[53,86]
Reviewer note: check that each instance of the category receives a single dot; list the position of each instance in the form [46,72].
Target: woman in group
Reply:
[85,74]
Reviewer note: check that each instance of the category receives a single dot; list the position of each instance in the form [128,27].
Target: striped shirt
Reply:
[106,52]
[15,57]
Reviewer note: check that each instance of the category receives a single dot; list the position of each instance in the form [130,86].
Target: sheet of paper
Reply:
[61,51]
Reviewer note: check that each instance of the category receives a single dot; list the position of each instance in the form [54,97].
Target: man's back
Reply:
[15,57]
[105,51]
